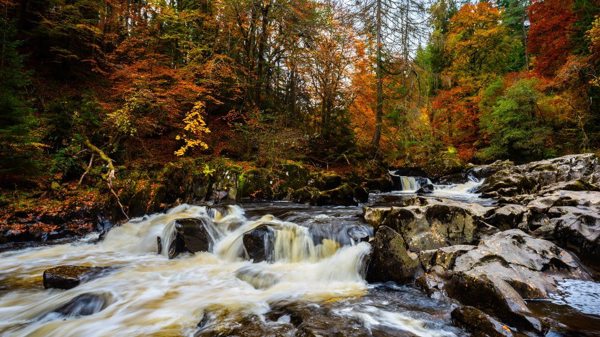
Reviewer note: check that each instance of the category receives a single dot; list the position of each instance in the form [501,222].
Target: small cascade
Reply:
[321,259]
[409,184]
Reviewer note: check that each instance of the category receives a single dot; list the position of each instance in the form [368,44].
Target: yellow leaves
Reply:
[194,127]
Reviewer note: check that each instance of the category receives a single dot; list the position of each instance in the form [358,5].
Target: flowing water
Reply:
[313,284]
[316,266]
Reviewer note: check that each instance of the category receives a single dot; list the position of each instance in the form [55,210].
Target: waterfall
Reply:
[149,294]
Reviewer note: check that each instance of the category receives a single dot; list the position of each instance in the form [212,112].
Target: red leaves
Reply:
[550,34]
[456,120]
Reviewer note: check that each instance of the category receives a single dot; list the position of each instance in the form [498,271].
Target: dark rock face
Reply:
[259,243]
[390,259]
[191,235]
[67,277]
[382,184]
[569,218]
[479,323]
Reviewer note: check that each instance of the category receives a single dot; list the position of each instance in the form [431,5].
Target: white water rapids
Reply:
[149,295]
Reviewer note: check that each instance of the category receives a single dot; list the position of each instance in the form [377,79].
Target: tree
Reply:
[398,27]
[514,17]
[550,34]
[17,139]
[479,45]
[515,127]
[455,119]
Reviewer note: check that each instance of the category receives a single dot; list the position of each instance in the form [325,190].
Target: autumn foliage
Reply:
[550,34]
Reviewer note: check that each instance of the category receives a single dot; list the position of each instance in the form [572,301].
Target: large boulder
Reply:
[390,258]
[533,177]
[191,235]
[67,277]
[427,224]
[498,274]
[571,219]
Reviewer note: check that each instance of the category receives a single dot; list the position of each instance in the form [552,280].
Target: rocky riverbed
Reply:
[498,250]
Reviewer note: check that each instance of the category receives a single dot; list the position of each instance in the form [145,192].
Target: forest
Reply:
[300,168]
[95,90]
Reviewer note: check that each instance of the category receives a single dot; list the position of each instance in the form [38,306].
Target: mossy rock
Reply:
[326,181]
[305,194]
[255,184]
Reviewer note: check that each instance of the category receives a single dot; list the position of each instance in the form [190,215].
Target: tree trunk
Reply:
[379,77]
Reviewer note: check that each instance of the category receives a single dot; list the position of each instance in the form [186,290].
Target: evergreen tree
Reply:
[16,120]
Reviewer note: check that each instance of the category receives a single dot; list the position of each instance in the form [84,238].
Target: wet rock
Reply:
[326,181]
[478,323]
[484,171]
[67,277]
[103,226]
[446,257]
[569,218]
[433,282]
[358,234]
[190,236]
[305,194]
[506,217]
[248,326]
[312,320]
[390,259]
[494,297]
[425,189]
[431,224]
[500,272]
[533,177]
[259,243]
[83,305]
[361,194]
[532,266]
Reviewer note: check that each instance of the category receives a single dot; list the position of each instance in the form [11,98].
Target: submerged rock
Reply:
[191,235]
[390,259]
[83,305]
[67,277]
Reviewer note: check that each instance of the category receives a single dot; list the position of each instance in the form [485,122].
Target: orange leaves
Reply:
[478,44]
[362,108]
